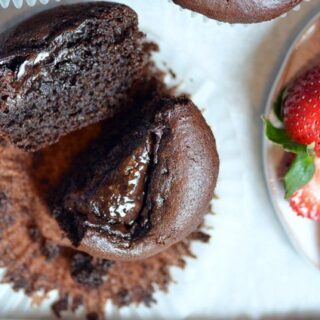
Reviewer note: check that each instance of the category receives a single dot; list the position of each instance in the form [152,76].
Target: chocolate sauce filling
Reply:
[118,198]
[114,200]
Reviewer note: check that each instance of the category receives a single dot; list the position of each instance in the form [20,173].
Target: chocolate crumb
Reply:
[151,47]
[34,233]
[60,306]
[172,73]
[76,303]
[19,282]
[87,272]
[50,250]
[5,221]
[3,199]
[123,297]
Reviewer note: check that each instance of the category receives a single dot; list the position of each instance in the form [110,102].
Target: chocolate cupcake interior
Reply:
[67,68]
[106,189]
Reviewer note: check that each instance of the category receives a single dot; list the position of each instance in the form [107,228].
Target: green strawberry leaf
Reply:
[280,136]
[299,174]
[277,105]
[276,135]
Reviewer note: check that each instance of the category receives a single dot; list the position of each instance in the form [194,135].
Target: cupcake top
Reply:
[36,33]
[240,11]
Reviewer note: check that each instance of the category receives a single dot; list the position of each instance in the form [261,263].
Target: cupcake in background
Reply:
[240,11]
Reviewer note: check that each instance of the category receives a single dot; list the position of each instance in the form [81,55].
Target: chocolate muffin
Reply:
[37,265]
[240,11]
[66,68]
[138,191]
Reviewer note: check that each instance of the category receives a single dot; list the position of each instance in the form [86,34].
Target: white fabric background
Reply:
[249,270]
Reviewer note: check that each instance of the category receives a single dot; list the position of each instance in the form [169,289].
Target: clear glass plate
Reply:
[303,233]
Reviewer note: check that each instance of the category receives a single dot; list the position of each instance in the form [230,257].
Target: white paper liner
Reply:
[197,82]
[19,3]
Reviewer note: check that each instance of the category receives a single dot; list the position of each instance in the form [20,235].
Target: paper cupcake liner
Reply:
[198,84]
[19,3]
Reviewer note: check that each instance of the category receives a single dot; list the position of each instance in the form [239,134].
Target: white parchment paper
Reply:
[249,270]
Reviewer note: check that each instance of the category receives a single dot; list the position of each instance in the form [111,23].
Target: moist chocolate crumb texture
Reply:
[103,213]
[66,68]
[240,11]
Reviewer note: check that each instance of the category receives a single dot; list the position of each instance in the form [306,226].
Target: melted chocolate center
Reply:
[112,200]
[118,198]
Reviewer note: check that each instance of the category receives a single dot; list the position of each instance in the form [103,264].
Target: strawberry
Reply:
[298,109]
[301,109]
[306,201]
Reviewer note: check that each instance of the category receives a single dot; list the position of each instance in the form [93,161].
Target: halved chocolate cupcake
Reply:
[66,68]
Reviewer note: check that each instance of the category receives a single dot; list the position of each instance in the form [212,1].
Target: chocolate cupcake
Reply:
[38,265]
[33,247]
[240,11]
[66,68]
[137,192]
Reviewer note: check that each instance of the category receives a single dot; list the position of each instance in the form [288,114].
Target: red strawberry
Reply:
[301,109]
[306,201]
